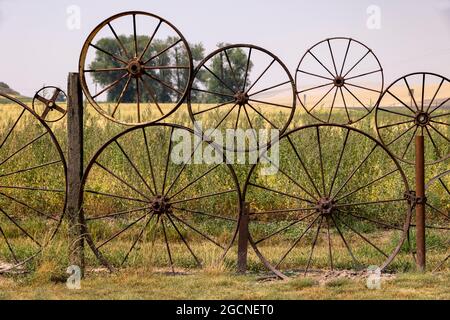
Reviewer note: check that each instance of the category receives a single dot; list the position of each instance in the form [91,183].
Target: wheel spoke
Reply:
[218,78]
[397,113]
[28,206]
[297,241]
[122,93]
[330,245]
[204,214]
[122,180]
[401,135]
[354,171]
[314,75]
[322,173]
[323,97]
[367,185]
[135,36]
[152,95]
[345,105]
[214,93]
[169,254]
[203,196]
[411,93]
[358,62]
[316,87]
[169,151]
[362,237]
[439,133]
[282,211]
[215,107]
[95,70]
[260,76]
[138,99]
[23,148]
[435,94]
[150,40]
[404,104]
[168,86]
[345,57]
[220,122]
[118,213]
[389,226]
[262,116]
[115,235]
[119,41]
[345,242]
[332,56]
[30,168]
[433,142]
[184,241]
[197,231]
[110,86]
[446,216]
[332,104]
[364,74]
[109,54]
[138,238]
[33,188]
[247,69]
[313,55]
[361,87]
[280,192]
[270,103]
[314,245]
[395,124]
[236,82]
[341,154]
[20,227]
[357,99]
[9,245]
[115,196]
[303,166]
[345,205]
[270,88]
[163,51]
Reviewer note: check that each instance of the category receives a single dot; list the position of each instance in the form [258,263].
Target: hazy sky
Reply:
[38,48]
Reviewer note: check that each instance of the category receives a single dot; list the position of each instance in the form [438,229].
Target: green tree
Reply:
[175,78]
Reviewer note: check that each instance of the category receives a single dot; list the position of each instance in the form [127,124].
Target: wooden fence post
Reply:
[243,239]
[75,169]
[420,204]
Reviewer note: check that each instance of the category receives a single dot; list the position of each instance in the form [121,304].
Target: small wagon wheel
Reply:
[143,73]
[438,222]
[32,185]
[241,86]
[416,104]
[148,200]
[339,80]
[325,203]
[50,104]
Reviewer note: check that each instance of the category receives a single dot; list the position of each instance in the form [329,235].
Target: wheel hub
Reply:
[135,68]
[325,206]
[422,118]
[241,98]
[51,104]
[160,205]
[339,81]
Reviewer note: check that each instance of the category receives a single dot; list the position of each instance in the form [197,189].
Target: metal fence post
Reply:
[420,203]
[75,169]
[243,239]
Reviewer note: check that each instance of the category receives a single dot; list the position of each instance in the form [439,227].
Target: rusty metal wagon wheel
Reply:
[143,73]
[438,222]
[32,185]
[148,200]
[339,80]
[226,93]
[50,104]
[416,104]
[336,199]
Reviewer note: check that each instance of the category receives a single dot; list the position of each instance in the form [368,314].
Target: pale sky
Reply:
[38,48]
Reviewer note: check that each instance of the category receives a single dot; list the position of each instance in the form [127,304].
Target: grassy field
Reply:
[147,267]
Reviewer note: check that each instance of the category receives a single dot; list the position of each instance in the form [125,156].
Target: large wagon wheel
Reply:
[416,104]
[438,222]
[144,206]
[327,204]
[50,104]
[32,185]
[227,93]
[339,80]
[143,73]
